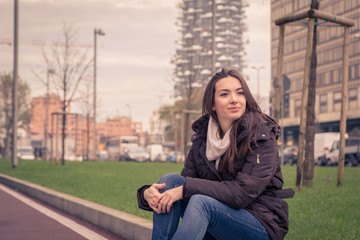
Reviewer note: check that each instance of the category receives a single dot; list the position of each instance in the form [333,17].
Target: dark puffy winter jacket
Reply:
[256,184]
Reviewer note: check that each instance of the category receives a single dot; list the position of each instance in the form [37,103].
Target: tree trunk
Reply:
[63,135]
[87,137]
[304,103]
[7,143]
[8,133]
[310,125]
[344,106]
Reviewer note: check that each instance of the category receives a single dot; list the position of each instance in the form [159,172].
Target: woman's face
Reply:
[229,102]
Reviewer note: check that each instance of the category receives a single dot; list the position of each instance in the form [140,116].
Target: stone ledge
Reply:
[126,225]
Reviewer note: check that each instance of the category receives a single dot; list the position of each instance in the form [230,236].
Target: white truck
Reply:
[352,153]
[323,142]
[155,151]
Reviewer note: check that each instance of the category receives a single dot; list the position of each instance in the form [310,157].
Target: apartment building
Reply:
[79,128]
[330,38]
[193,58]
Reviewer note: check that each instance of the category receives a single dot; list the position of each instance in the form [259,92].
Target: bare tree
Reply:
[24,109]
[86,107]
[71,66]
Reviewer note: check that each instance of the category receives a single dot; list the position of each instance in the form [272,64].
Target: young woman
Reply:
[231,183]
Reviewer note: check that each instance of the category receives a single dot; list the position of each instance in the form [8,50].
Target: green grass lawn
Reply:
[323,211]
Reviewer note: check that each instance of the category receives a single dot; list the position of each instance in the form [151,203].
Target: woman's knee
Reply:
[200,201]
[172,180]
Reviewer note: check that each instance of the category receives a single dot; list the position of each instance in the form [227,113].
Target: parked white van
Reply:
[26,153]
[323,143]
[155,151]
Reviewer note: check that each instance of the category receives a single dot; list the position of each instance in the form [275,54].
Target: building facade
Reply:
[157,128]
[330,39]
[79,128]
[193,58]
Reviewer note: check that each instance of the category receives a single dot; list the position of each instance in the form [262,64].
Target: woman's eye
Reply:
[223,94]
[240,93]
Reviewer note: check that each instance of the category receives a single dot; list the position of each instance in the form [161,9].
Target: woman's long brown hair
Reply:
[252,112]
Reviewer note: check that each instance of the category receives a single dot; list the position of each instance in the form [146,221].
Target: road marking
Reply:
[83,231]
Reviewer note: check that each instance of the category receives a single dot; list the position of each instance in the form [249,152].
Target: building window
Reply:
[353,72]
[321,81]
[337,101]
[297,107]
[298,86]
[353,98]
[323,103]
[340,74]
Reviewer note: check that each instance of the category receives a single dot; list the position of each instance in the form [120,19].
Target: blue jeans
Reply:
[204,217]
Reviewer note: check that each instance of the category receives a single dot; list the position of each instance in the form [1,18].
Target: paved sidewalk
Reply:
[22,217]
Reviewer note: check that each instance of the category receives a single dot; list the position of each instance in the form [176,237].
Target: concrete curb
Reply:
[123,224]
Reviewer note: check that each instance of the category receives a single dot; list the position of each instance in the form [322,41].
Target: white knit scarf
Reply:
[216,146]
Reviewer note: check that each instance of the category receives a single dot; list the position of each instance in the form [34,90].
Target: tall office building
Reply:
[330,39]
[193,58]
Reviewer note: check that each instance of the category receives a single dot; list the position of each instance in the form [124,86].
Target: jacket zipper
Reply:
[257,159]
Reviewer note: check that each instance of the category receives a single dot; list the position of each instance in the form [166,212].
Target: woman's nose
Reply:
[233,98]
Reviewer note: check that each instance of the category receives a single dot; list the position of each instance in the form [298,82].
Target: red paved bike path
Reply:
[20,221]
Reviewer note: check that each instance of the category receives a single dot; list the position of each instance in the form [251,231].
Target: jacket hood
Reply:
[200,127]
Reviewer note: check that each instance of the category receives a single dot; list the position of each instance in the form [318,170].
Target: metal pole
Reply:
[258,80]
[282,126]
[49,71]
[76,136]
[52,139]
[56,139]
[213,36]
[14,93]
[94,124]
[182,136]
[96,32]
[175,136]
[46,115]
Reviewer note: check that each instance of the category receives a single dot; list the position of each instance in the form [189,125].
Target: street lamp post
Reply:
[14,92]
[160,132]
[49,71]
[101,33]
[129,107]
[258,81]
[130,121]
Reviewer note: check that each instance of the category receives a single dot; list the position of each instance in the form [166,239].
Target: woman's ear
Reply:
[213,108]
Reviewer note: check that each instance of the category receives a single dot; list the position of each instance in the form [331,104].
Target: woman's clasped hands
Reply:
[162,202]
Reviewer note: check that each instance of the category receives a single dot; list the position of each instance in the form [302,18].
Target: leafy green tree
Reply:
[24,109]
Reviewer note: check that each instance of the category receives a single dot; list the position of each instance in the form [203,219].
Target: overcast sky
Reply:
[133,58]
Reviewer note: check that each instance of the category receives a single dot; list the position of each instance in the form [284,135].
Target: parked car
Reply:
[103,155]
[138,154]
[172,156]
[72,157]
[26,153]
[290,155]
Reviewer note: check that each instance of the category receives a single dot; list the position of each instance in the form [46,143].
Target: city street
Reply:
[22,217]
